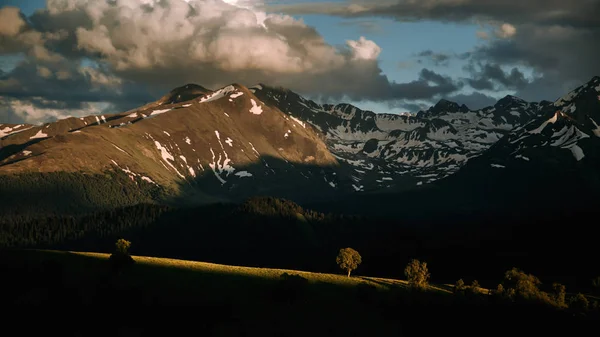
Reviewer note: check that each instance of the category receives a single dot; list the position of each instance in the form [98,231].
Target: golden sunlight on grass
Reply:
[264,273]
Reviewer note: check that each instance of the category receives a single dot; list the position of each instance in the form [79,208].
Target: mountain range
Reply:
[198,146]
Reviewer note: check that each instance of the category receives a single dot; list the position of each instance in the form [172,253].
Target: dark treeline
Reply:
[65,231]
[270,232]
[34,194]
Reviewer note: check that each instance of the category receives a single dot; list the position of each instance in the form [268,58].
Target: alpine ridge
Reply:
[196,145]
[401,151]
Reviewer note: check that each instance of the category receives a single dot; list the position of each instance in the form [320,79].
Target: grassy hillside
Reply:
[242,301]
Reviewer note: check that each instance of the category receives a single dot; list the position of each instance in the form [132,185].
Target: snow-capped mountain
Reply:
[219,145]
[570,124]
[565,132]
[235,142]
[395,151]
[555,157]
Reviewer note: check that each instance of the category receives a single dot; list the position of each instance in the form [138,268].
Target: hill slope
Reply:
[224,144]
[239,301]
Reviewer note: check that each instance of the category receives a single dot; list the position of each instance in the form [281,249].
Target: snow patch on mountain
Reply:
[7,130]
[298,121]
[243,174]
[389,122]
[596,131]
[120,149]
[220,165]
[217,94]
[569,136]
[577,152]
[39,134]
[539,129]
[158,112]
[166,156]
[256,109]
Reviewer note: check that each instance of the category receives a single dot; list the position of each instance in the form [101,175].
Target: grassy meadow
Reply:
[221,300]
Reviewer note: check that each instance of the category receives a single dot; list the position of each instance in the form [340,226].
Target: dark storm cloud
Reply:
[557,39]
[576,13]
[438,59]
[493,77]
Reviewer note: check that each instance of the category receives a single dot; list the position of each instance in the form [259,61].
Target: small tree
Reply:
[417,274]
[348,259]
[459,286]
[579,302]
[121,258]
[473,289]
[560,292]
[122,246]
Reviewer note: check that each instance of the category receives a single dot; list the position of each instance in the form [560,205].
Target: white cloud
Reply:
[218,36]
[364,49]
[29,113]
[506,30]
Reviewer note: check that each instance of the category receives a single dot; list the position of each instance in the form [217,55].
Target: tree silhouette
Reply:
[459,286]
[121,258]
[417,274]
[122,246]
[348,259]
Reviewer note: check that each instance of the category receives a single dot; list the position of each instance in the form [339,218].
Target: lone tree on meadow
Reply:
[122,246]
[348,259]
[121,258]
[417,274]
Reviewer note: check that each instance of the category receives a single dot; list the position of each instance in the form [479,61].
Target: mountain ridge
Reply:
[235,141]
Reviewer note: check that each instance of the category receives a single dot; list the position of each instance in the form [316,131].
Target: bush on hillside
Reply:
[473,289]
[579,303]
[417,274]
[460,287]
[560,293]
[525,287]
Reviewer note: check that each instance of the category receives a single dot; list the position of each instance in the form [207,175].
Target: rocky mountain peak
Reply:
[445,105]
[184,93]
[509,101]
